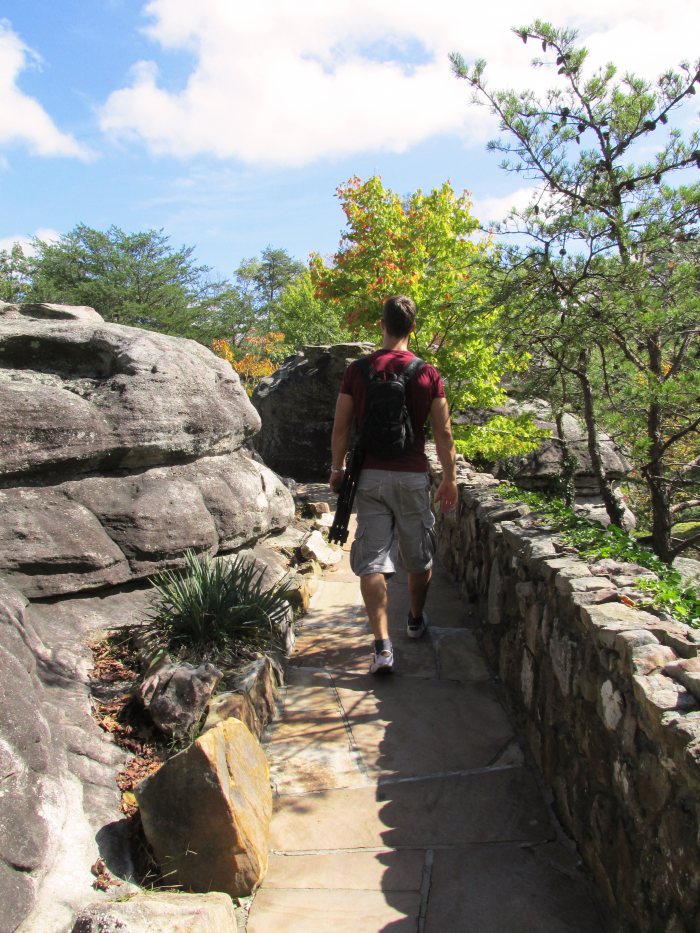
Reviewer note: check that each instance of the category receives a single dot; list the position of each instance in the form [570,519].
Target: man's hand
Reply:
[336,480]
[446,495]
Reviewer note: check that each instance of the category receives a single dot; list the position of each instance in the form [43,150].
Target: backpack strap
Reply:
[365,367]
[409,370]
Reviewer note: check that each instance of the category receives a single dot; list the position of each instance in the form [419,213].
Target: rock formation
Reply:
[121,449]
[297,404]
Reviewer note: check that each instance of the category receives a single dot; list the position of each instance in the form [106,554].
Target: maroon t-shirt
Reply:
[421,389]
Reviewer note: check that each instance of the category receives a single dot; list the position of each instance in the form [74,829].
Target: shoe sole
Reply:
[382,671]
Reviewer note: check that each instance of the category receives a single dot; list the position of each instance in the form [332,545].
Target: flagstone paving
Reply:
[404,803]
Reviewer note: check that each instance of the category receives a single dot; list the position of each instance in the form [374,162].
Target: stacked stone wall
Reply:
[605,694]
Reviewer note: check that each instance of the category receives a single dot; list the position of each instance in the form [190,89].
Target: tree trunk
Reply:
[569,463]
[659,488]
[654,471]
[610,500]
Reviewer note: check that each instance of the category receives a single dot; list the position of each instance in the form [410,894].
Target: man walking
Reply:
[393,495]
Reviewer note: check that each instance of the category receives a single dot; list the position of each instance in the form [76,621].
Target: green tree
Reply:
[129,278]
[607,290]
[14,274]
[305,319]
[424,246]
[263,280]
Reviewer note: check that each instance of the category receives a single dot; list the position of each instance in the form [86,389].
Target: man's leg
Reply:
[373,589]
[370,559]
[418,584]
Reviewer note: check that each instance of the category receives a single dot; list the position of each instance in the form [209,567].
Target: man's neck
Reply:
[394,343]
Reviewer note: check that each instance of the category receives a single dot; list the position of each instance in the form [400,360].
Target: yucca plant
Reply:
[210,605]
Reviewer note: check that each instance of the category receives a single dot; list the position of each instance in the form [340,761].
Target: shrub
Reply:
[212,605]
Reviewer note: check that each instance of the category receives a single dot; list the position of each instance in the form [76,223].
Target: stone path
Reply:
[403,803]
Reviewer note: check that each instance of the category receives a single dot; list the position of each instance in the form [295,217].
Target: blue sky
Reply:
[230,125]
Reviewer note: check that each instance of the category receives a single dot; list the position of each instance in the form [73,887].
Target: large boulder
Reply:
[206,812]
[538,469]
[120,450]
[78,392]
[297,404]
[542,468]
[102,531]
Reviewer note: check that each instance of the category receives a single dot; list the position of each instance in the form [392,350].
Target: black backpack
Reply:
[386,431]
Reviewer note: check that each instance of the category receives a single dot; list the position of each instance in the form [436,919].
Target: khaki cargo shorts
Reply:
[393,507]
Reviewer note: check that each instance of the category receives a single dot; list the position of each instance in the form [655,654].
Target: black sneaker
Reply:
[415,628]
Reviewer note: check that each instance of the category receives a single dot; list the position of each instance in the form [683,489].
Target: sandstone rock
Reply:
[325,522]
[657,693]
[51,545]
[206,812]
[104,530]
[297,405]
[245,499]
[180,696]
[77,391]
[49,744]
[233,706]
[538,469]
[315,547]
[542,467]
[254,700]
[646,659]
[44,311]
[299,591]
[319,509]
[289,540]
[120,450]
[260,680]
[688,569]
[269,563]
[160,912]
[686,672]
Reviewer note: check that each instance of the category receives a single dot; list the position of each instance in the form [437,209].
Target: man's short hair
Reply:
[399,315]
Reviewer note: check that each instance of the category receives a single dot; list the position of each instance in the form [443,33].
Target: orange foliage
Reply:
[254,361]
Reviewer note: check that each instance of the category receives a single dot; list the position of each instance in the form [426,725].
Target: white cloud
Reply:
[495,209]
[27,242]
[282,83]
[22,118]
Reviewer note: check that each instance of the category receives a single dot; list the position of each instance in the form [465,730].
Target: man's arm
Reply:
[442,432]
[340,438]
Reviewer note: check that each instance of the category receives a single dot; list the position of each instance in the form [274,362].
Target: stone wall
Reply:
[606,695]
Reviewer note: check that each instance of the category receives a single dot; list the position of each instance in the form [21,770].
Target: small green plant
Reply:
[211,605]
[595,542]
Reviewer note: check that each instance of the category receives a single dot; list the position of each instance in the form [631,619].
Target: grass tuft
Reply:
[213,605]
